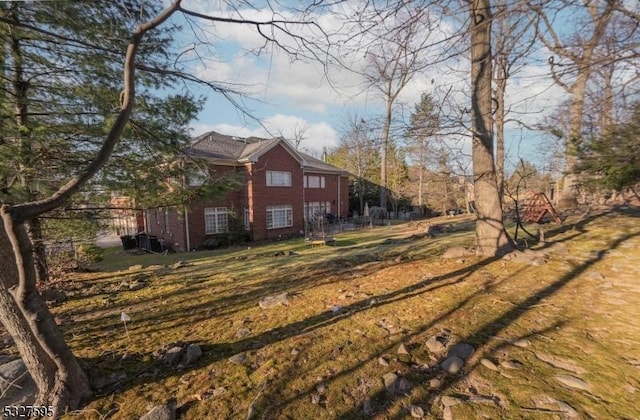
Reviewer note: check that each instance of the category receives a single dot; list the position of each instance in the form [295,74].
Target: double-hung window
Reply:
[314,181]
[279,216]
[215,220]
[278,179]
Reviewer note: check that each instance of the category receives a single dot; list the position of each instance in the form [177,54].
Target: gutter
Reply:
[186,228]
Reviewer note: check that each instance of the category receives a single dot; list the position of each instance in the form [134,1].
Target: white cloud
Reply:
[316,136]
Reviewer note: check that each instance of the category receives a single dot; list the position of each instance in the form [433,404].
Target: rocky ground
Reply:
[389,323]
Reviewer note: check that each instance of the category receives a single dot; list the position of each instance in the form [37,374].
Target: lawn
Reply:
[556,336]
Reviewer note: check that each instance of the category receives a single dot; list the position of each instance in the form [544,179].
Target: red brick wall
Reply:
[234,201]
[169,229]
[255,196]
[330,193]
[276,159]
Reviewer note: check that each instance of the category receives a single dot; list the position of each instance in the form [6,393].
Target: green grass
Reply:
[390,292]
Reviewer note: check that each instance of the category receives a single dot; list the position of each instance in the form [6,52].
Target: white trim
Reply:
[284,221]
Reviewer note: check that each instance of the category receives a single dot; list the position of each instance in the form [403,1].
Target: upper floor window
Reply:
[278,179]
[215,220]
[314,181]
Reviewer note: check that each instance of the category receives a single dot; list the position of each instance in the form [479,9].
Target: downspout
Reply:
[304,213]
[339,203]
[186,228]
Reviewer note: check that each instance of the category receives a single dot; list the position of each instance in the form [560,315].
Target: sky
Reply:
[283,96]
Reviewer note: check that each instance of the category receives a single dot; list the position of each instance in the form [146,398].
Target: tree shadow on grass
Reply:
[480,337]
[147,370]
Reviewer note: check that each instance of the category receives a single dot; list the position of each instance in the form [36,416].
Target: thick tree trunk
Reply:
[501,87]
[61,381]
[491,236]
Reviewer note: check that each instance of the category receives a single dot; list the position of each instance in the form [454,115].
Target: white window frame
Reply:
[279,217]
[247,219]
[216,220]
[314,181]
[278,179]
[316,209]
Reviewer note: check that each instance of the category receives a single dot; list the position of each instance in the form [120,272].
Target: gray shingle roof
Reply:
[214,146]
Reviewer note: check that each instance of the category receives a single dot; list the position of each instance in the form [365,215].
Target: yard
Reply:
[365,326]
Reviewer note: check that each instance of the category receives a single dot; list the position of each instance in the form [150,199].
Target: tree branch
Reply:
[32,209]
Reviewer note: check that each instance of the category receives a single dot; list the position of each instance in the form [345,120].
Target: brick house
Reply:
[282,191]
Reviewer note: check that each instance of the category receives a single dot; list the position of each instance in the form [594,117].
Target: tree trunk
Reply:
[383,155]
[501,87]
[60,380]
[491,236]
[34,227]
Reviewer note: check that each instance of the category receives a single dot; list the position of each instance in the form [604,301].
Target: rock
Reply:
[136,285]
[173,355]
[489,364]
[435,383]
[447,413]
[402,349]
[271,301]
[382,361]
[521,343]
[456,252]
[573,382]
[559,363]
[390,382]
[178,264]
[448,401]
[403,386]
[191,355]
[461,350]
[416,411]
[295,352]
[436,344]
[630,388]
[594,275]
[318,399]
[511,364]
[136,267]
[367,408]
[218,391]
[161,412]
[13,371]
[243,332]
[547,403]
[452,365]
[321,389]
[528,256]
[10,371]
[336,308]
[238,359]
[479,399]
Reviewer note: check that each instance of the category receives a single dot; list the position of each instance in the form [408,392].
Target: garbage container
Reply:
[128,242]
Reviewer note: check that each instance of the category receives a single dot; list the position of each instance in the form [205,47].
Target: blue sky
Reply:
[288,96]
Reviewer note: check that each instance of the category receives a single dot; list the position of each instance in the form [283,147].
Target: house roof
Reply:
[220,147]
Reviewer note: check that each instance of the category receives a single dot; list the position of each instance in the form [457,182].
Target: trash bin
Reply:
[128,242]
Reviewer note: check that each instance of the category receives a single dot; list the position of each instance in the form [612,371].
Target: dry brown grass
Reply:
[579,310]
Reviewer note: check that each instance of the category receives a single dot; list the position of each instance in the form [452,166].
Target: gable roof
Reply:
[230,149]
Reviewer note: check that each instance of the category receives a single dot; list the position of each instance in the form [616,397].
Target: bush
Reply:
[226,239]
[88,254]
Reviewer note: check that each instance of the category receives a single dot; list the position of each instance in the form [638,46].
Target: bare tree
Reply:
[571,68]
[491,236]
[513,41]
[393,61]
[60,380]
